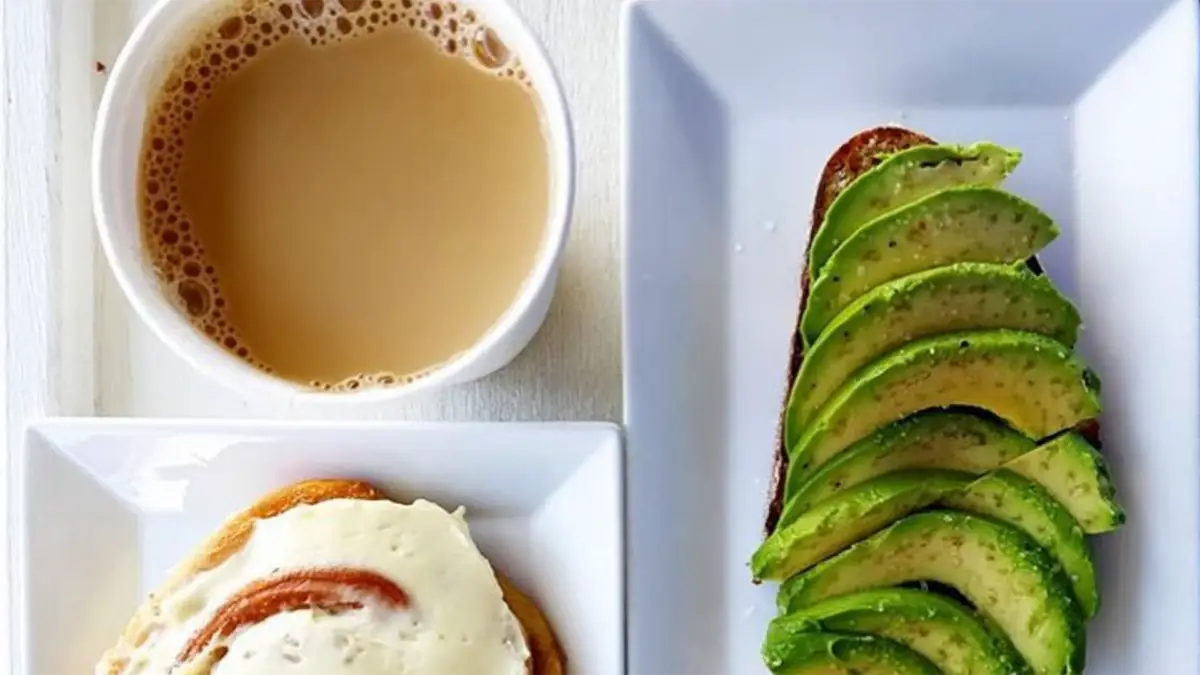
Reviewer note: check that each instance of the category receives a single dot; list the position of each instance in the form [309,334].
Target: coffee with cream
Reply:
[345,193]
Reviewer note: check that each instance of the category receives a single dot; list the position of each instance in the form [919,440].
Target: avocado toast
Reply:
[939,428]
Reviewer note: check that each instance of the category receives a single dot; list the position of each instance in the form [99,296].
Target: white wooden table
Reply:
[71,345]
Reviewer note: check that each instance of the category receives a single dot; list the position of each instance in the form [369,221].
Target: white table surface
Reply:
[71,346]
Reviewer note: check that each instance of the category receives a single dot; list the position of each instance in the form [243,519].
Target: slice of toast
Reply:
[546,654]
[857,155]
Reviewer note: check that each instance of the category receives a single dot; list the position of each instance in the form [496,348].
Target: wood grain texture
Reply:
[571,370]
[30,358]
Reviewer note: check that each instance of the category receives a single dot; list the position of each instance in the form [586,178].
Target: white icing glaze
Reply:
[457,621]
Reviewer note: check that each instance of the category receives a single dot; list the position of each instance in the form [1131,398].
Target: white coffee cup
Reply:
[136,77]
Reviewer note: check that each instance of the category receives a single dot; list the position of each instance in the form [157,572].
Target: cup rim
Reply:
[234,373]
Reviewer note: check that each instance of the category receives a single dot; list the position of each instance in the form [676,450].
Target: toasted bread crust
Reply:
[546,654]
[859,153]
[855,156]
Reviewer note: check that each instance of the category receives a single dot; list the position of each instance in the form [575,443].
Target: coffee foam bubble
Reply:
[234,34]
[363,381]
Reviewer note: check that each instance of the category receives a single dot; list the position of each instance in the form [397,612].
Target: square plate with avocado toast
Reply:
[912,324]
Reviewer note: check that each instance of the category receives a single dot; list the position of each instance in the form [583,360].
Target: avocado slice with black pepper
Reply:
[1076,475]
[953,637]
[1067,467]
[842,654]
[904,177]
[955,440]
[999,569]
[845,519]
[868,507]
[1036,385]
[962,296]
[960,224]
[1022,503]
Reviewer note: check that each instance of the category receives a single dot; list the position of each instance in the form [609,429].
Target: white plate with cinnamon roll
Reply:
[218,548]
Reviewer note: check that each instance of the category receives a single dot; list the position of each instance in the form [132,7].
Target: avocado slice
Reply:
[1006,575]
[963,296]
[850,516]
[1022,503]
[1076,475]
[962,224]
[837,654]
[936,439]
[905,177]
[1036,385]
[955,639]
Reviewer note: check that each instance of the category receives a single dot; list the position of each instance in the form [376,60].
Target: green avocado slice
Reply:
[1022,503]
[1006,575]
[937,439]
[1036,385]
[962,224]
[904,177]
[955,639]
[850,516]
[1066,467]
[1076,475]
[963,296]
[837,654]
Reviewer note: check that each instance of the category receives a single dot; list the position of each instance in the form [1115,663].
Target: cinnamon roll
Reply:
[328,577]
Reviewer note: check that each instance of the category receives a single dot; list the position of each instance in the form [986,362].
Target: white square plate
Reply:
[103,508]
[731,109]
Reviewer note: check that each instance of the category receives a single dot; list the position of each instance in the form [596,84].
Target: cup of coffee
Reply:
[335,198]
